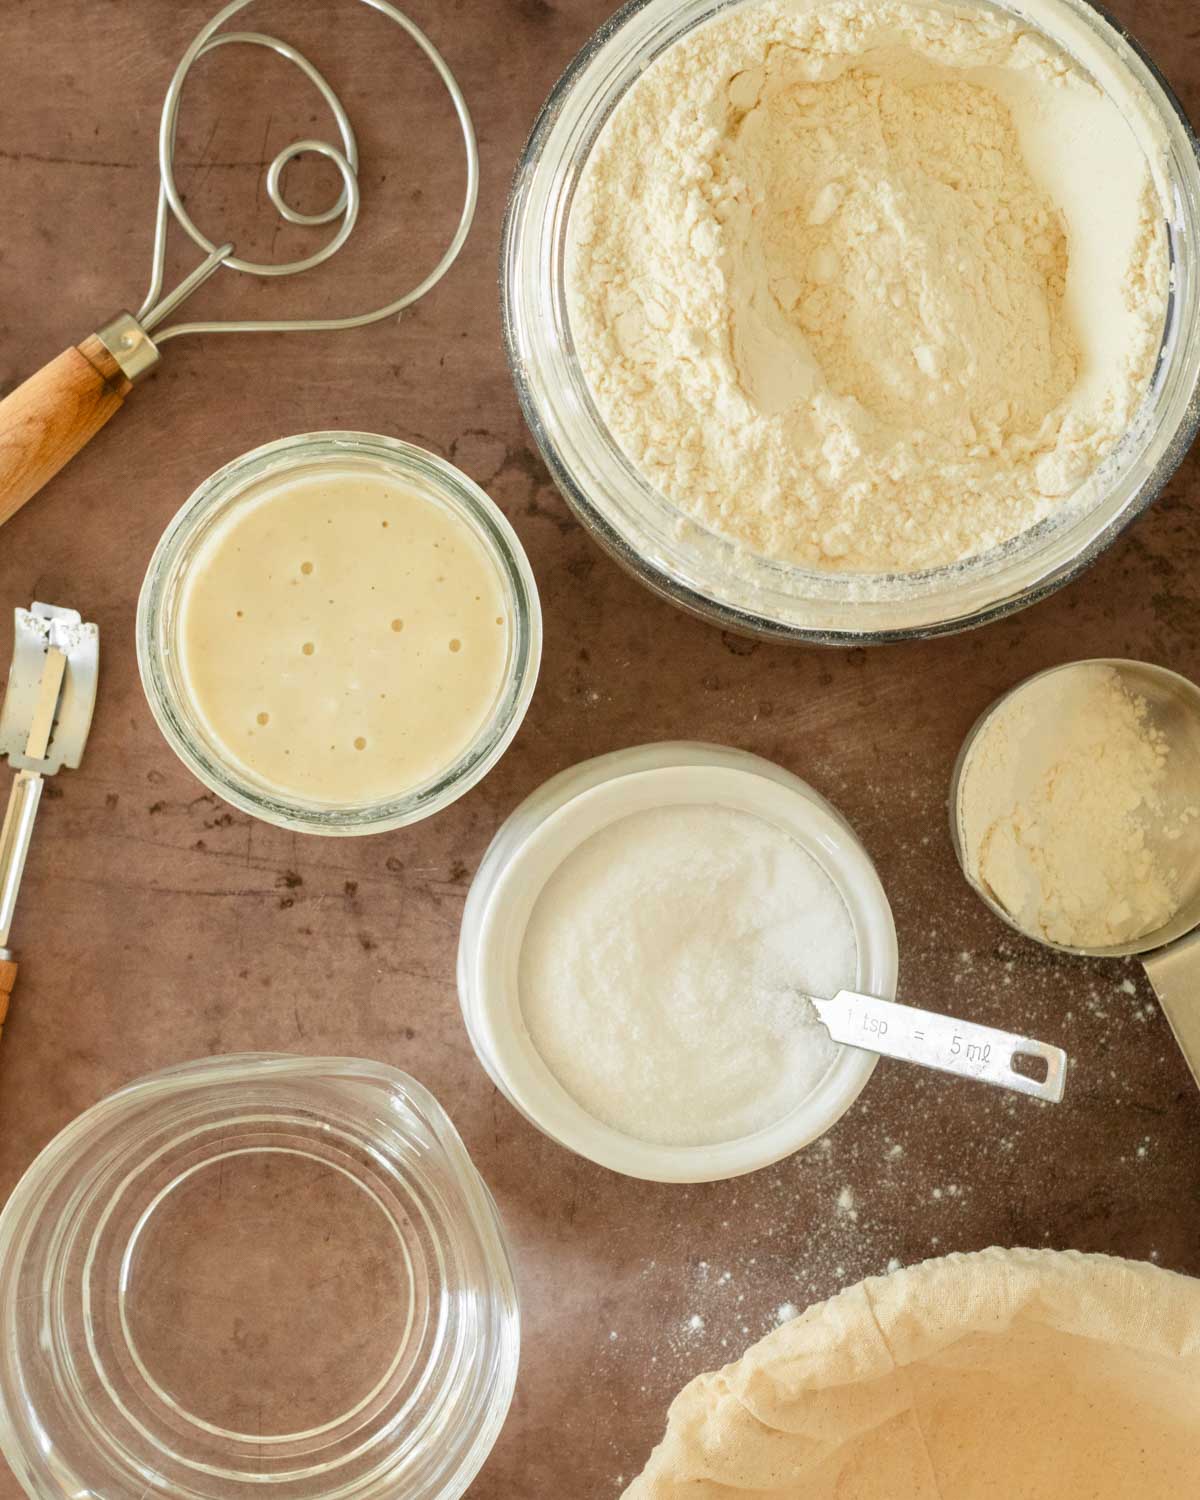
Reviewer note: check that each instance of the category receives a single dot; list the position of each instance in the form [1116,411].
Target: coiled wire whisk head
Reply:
[158,307]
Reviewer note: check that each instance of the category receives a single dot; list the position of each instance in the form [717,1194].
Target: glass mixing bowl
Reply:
[261,1276]
[702,571]
[159,612]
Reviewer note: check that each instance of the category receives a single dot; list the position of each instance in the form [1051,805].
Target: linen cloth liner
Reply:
[1023,1374]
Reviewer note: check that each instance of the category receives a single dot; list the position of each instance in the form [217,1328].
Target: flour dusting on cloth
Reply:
[1006,1375]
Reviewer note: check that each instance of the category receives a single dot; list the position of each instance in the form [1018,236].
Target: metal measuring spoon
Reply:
[1171,954]
[941,1042]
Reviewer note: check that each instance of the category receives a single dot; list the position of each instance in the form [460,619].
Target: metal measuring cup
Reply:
[1170,955]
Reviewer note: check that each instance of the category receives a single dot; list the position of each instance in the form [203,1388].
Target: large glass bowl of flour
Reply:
[711,571]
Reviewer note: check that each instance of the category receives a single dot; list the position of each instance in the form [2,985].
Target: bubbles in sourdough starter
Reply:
[392,656]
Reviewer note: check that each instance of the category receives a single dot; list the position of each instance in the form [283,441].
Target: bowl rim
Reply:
[447,485]
[1178,928]
[23,1441]
[743,618]
[794,808]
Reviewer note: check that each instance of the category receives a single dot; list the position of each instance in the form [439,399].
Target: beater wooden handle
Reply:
[46,421]
[8,977]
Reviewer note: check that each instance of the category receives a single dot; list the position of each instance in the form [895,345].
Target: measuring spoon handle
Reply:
[941,1042]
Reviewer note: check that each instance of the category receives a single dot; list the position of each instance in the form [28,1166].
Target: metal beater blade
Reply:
[934,1041]
[48,419]
[43,726]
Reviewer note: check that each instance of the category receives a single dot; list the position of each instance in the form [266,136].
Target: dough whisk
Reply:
[49,418]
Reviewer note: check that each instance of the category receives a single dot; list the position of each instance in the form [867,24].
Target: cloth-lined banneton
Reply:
[1006,1375]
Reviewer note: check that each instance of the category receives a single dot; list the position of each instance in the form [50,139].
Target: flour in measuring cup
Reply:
[1063,811]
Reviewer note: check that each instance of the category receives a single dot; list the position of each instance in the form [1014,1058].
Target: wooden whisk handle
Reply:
[8,978]
[48,419]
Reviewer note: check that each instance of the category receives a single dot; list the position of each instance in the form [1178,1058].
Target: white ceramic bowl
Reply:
[555,821]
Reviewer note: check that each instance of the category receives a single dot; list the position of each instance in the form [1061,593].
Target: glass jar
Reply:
[711,576]
[159,609]
[255,1276]
[545,830]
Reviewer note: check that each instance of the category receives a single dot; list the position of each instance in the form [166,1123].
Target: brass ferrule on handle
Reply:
[130,345]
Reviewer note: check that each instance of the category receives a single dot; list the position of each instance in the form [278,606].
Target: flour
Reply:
[1063,813]
[659,968]
[866,286]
